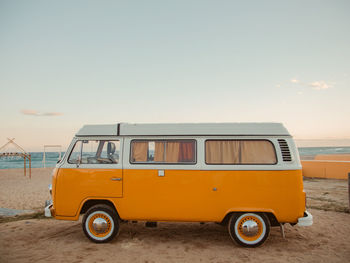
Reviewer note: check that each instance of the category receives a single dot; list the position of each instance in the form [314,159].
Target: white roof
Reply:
[125,129]
[95,130]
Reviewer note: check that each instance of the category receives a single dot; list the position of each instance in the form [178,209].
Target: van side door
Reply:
[92,170]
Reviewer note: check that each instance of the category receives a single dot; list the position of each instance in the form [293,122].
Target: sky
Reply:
[64,64]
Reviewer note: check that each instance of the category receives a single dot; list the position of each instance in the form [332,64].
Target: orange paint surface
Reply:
[182,195]
[333,157]
[326,169]
[73,186]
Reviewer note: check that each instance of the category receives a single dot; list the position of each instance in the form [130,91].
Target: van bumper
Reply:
[49,210]
[306,220]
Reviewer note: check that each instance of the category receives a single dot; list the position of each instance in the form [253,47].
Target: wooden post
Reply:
[24,159]
[30,166]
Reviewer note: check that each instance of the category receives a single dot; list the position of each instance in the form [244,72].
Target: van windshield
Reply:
[95,152]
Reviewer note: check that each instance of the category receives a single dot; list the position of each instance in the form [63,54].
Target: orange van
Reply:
[245,175]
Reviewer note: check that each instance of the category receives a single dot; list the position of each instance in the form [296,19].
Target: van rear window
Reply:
[163,151]
[240,152]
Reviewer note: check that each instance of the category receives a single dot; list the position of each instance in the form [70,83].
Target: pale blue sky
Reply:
[173,61]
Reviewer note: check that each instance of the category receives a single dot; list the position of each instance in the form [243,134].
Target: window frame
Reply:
[71,151]
[239,164]
[81,151]
[163,163]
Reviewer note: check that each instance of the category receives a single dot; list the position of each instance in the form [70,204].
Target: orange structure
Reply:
[333,157]
[333,166]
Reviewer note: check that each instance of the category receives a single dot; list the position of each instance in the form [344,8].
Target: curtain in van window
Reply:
[167,151]
[257,152]
[213,152]
[240,152]
[172,152]
[230,151]
[186,153]
[222,152]
[139,151]
[159,152]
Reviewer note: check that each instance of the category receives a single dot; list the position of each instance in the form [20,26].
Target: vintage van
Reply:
[244,175]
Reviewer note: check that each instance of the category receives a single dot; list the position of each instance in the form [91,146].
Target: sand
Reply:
[50,240]
[20,192]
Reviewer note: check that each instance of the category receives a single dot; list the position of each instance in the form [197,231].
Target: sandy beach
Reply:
[20,192]
[50,240]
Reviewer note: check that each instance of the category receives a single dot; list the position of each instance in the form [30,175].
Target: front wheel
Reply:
[249,229]
[101,223]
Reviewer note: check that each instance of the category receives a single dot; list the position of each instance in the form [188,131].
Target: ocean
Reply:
[52,157]
[37,160]
[312,151]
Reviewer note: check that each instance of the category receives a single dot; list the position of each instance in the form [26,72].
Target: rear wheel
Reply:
[249,229]
[101,223]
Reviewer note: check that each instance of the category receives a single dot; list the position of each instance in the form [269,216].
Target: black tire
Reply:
[249,229]
[108,226]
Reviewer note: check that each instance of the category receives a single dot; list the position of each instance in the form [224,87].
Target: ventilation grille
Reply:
[285,150]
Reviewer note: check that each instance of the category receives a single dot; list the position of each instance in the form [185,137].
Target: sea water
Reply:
[37,160]
[52,157]
[312,151]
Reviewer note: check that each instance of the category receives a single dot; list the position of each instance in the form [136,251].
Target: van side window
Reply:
[240,152]
[163,151]
[95,152]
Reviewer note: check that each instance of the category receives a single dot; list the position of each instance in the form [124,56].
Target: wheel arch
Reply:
[270,215]
[88,203]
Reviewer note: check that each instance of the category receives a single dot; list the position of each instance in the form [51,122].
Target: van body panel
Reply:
[75,185]
[187,195]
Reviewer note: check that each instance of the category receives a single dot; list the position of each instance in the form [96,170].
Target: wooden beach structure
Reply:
[51,146]
[7,152]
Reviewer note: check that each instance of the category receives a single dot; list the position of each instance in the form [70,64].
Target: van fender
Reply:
[269,212]
[90,201]
[81,208]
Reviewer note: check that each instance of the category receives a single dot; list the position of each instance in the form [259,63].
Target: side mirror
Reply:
[78,161]
[110,148]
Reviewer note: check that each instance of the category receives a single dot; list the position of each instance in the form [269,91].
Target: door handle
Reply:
[116,179]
